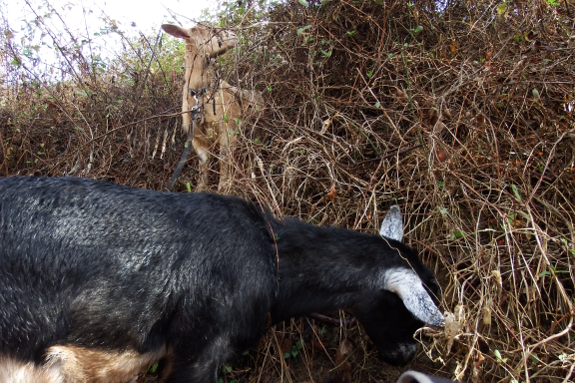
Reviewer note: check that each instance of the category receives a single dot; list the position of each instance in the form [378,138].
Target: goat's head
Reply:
[402,301]
[203,39]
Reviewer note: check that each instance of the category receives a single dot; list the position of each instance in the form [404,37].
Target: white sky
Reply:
[131,17]
[144,13]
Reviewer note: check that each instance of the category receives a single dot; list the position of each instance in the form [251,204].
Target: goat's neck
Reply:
[197,72]
[323,269]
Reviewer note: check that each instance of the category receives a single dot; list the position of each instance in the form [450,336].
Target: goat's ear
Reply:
[175,31]
[392,224]
[405,283]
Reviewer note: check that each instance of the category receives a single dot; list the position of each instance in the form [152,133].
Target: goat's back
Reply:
[102,265]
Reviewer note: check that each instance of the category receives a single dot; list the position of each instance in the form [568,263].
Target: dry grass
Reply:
[467,123]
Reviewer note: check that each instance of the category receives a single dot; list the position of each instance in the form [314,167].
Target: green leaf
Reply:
[302,29]
[304,3]
[418,29]
[502,9]
[377,104]
[499,358]
[516,192]
[287,355]
[153,368]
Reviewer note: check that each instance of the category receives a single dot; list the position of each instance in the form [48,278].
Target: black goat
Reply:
[99,281]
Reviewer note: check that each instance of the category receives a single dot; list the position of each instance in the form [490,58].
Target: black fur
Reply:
[103,266]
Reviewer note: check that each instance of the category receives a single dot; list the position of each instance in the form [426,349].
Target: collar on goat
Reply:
[195,94]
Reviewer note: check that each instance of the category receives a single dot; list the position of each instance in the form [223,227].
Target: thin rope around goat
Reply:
[184,156]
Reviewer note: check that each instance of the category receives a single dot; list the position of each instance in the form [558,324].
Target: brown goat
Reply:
[219,103]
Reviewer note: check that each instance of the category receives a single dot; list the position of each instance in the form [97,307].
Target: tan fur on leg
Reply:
[84,365]
[13,371]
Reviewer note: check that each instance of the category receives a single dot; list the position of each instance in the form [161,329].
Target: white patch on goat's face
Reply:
[406,284]
[392,224]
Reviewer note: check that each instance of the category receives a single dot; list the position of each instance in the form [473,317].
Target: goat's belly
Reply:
[73,364]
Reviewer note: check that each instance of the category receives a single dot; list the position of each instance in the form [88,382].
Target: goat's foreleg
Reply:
[204,368]
[227,130]
[226,160]
[203,157]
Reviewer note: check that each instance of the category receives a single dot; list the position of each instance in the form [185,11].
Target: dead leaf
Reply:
[454,48]
[332,194]
[480,120]
[342,371]
[442,155]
